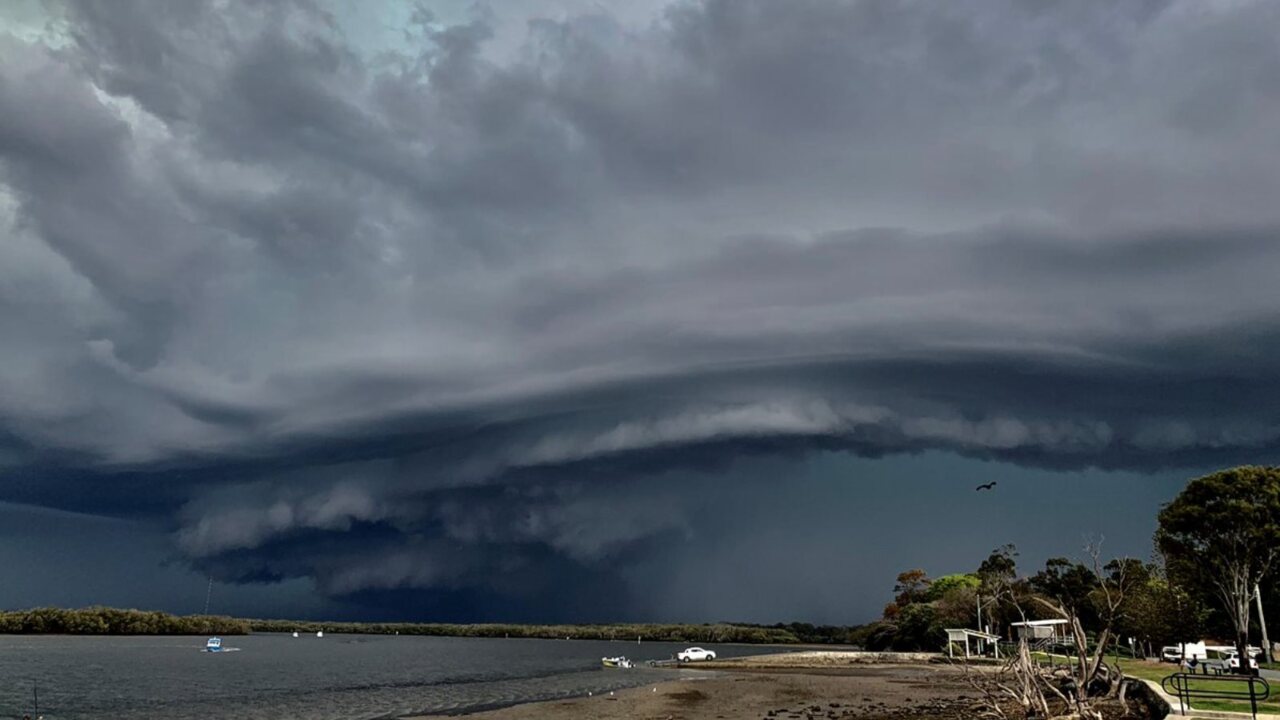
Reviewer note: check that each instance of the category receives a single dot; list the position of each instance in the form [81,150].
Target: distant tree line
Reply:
[711,633]
[115,621]
[822,634]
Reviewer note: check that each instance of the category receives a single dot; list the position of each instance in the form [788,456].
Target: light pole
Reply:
[1262,623]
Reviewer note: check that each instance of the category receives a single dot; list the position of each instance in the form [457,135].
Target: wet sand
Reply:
[877,692]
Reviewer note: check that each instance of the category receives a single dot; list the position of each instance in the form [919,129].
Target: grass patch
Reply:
[1056,658]
[1158,671]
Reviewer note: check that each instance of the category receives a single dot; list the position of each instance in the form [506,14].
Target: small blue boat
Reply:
[214,645]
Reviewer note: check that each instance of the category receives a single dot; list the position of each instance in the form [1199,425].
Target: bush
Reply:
[113,621]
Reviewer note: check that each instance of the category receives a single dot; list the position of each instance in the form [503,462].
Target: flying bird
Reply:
[986,486]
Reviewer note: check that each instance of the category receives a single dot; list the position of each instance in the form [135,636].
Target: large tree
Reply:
[1093,595]
[1223,530]
[912,586]
[998,575]
[1157,613]
[1070,585]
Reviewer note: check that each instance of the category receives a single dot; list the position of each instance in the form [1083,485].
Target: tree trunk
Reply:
[1242,650]
[1242,633]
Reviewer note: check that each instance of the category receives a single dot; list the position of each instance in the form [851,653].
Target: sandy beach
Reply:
[885,692]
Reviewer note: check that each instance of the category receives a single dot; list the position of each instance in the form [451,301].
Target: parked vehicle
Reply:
[1230,663]
[695,654]
[1197,651]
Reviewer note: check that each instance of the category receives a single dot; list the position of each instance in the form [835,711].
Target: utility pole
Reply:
[979,601]
[1262,623]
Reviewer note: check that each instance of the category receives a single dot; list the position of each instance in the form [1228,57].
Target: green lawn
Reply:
[1043,658]
[1158,671]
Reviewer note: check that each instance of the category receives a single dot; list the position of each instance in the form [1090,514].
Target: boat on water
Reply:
[213,645]
[319,633]
[617,662]
[295,633]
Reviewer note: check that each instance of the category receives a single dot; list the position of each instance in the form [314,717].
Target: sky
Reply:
[575,310]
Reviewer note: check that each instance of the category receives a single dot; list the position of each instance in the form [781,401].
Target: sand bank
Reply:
[807,659]
[895,692]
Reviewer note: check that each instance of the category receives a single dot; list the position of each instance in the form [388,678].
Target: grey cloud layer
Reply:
[453,309]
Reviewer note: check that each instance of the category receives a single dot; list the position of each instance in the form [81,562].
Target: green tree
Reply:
[878,636]
[918,628]
[957,607]
[1158,613]
[1001,566]
[955,599]
[1223,532]
[1091,596]
[1000,586]
[1069,584]
[945,584]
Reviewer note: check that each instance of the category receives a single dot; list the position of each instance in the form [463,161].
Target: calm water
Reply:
[277,676]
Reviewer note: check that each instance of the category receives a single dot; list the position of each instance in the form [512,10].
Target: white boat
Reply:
[617,662]
[319,633]
[295,633]
[213,645]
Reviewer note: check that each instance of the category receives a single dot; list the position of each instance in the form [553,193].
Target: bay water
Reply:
[335,677]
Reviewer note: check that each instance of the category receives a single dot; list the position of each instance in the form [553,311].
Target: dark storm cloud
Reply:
[439,319]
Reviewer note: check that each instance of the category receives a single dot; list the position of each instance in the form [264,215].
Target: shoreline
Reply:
[883,691]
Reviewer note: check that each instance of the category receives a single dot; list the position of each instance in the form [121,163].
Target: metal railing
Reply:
[1188,687]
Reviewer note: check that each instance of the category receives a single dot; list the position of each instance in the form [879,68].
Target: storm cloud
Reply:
[502,306]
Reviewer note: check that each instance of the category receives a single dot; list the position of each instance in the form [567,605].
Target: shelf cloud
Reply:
[462,312]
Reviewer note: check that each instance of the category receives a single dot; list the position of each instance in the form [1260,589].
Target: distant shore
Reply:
[775,687]
[117,621]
